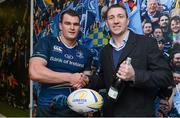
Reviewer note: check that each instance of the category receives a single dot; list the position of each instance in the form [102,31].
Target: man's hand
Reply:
[154,19]
[126,72]
[79,80]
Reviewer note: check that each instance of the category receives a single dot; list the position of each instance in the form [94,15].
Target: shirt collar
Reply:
[59,39]
[123,43]
[151,15]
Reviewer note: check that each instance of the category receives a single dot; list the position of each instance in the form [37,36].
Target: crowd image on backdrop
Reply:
[14,56]
[155,19]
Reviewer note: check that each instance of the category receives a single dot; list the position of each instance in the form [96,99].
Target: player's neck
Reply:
[66,42]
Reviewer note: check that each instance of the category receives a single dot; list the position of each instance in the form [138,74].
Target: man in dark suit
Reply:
[140,81]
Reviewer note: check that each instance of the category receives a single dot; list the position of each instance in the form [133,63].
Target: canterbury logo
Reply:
[57,48]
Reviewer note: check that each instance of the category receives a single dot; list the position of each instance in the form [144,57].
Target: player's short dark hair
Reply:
[69,12]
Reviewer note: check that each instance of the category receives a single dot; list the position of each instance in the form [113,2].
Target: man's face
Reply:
[158,33]
[69,27]
[152,6]
[175,26]
[164,21]
[117,21]
[176,59]
[147,28]
[176,77]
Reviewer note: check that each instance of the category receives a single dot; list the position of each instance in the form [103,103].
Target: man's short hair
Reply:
[175,49]
[175,18]
[164,14]
[116,6]
[69,12]
[146,23]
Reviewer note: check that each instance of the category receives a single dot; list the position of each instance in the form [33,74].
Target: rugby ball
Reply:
[85,100]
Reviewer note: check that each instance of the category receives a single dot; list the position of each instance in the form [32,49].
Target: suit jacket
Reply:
[151,73]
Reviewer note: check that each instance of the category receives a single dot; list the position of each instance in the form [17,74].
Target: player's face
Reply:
[117,21]
[70,27]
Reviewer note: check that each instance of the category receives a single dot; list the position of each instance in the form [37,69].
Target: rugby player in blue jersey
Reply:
[58,64]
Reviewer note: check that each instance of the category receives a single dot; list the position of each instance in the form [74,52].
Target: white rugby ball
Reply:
[85,100]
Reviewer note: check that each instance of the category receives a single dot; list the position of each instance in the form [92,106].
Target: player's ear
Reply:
[60,26]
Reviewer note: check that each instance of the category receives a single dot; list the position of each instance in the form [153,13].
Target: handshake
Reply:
[79,80]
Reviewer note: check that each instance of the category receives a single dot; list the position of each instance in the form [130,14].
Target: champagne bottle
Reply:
[113,90]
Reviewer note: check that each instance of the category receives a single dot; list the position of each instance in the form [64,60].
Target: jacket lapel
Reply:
[109,55]
[130,45]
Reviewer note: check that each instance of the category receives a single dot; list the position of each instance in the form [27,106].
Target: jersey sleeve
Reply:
[42,49]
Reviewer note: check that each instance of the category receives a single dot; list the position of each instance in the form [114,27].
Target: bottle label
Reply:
[112,93]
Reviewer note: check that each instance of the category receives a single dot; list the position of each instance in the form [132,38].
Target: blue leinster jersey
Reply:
[60,59]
